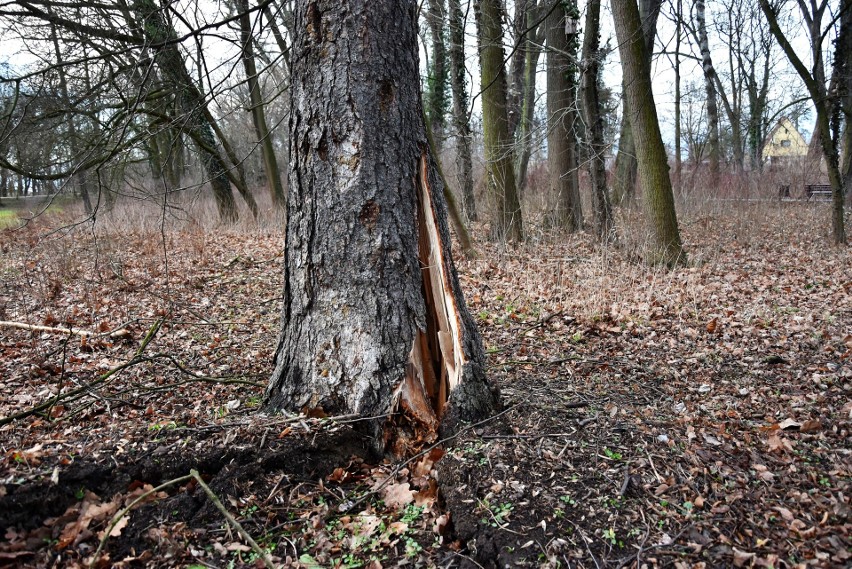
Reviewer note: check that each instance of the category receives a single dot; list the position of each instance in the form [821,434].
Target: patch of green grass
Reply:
[8,218]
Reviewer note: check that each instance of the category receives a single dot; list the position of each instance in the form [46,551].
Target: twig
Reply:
[121,513]
[541,436]
[103,378]
[261,553]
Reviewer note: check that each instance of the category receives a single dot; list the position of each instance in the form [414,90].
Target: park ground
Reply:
[690,418]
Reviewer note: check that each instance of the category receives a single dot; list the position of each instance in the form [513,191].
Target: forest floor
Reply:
[698,417]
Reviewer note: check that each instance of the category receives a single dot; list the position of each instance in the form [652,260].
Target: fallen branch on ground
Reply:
[120,333]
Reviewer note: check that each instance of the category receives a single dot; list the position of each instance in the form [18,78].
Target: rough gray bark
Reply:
[374,320]
[562,111]
[461,124]
[625,174]
[258,112]
[604,226]
[710,89]
[651,154]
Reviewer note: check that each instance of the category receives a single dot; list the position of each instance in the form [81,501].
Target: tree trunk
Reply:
[258,113]
[844,71]
[592,55]
[525,129]
[374,320]
[710,89]
[561,108]
[815,82]
[677,126]
[651,154]
[436,100]
[624,180]
[464,161]
[79,174]
[517,68]
[500,173]
[160,33]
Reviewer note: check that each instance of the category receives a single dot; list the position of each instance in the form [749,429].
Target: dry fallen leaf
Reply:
[397,495]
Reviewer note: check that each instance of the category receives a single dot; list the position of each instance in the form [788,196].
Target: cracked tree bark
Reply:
[374,320]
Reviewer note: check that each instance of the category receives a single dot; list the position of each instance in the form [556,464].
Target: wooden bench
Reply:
[821,192]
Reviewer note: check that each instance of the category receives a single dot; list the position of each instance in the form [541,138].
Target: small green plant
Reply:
[577,337]
[558,513]
[80,494]
[411,514]
[612,455]
[412,548]
[609,535]
[567,499]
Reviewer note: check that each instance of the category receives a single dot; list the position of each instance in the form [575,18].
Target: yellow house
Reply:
[784,143]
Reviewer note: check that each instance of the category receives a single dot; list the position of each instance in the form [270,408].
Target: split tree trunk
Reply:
[374,319]
[651,154]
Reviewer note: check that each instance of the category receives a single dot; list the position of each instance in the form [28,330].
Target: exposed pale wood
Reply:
[121,333]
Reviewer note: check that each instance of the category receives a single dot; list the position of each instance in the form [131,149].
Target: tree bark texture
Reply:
[507,223]
[562,112]
[604,226]
[461,123]
[258,112]
[374,320]
[651,154]
[710,90]
[168,57]
[626,167]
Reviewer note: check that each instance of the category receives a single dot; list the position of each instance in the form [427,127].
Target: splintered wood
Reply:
[437,357]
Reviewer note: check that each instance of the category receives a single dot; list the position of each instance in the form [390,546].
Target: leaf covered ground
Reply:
[699,417]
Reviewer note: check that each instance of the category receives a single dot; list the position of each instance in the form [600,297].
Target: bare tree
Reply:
[827,103]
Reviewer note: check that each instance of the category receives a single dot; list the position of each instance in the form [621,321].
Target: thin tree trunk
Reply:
[561,108]
[73,140]
[167,55]
[815,83]
[437,83]
[516,66]
[677,125]
[525,128]
[507,222]
[374,318]
[604,225]
[258,113]
[710,89]
[464,161]
[651,154]
[625,176]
